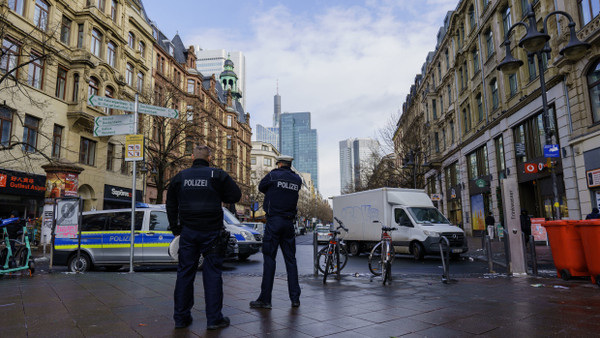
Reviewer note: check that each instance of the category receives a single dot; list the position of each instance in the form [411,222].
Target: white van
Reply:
[420,225]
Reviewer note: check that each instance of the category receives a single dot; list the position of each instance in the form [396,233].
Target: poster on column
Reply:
[477,212]
[62,185]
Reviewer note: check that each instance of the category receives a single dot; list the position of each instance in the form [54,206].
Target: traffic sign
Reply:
[134,145]
[107,102]
[114,125]
[551,150]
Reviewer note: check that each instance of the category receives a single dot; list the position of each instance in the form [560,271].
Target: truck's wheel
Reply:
[417,250]
[354,248]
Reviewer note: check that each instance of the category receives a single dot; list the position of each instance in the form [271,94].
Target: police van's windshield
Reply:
[428,216]
[229,218]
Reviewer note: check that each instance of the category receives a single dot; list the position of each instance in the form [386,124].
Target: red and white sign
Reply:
[3,180]
[537,230]
[593,178]
[531,168]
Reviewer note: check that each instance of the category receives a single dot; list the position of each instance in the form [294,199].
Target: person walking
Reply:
[525,224]
[281,187]
[594,215]
[489,222]
[194,209]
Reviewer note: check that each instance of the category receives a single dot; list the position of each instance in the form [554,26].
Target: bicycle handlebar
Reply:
[388,228]
[340,223]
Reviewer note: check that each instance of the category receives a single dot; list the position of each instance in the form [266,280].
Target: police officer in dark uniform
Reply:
[194,210]
[281,187]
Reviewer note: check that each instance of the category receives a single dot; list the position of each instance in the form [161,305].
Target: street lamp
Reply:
[535,43]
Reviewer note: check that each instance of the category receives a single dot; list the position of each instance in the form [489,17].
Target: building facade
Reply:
[483,129]
[212,62]
[300,141]
[357,159]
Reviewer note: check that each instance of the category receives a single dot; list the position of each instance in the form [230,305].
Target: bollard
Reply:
[533,255]
[445,258]
[488,248]
[524,251]
[507,251]
[337,255]
[315,254]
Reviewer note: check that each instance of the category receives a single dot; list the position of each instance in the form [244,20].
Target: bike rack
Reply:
[445,253]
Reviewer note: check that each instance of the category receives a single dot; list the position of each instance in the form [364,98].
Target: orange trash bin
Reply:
[567,248]
[590,238]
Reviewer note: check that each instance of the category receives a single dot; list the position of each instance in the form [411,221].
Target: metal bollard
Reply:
[337,255]
[445,254]
[524,252]
[488,248]
[507,251]
[533,255]
[315,254]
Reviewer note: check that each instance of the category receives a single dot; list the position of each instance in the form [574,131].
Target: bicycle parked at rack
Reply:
[382,255]
[334,256]
[15,256]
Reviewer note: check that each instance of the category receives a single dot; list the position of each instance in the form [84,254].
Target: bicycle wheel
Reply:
[21,256]
[321,257]
[375,260]
[328,267]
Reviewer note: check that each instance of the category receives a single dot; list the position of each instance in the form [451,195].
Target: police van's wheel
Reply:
[82,265]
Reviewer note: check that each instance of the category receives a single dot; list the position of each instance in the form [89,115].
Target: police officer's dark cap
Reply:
[284,158]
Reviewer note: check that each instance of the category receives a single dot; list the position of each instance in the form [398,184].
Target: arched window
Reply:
[111,49]
[140,81]
[93,86]
[96,42]
[142,48]
[593,79]
[129,74]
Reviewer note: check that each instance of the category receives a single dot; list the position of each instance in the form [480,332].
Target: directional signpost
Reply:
[114,125]
[107,102]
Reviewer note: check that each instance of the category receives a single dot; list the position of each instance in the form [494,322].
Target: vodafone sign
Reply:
[531,168]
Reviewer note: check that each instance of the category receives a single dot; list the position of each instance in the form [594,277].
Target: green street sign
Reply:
[157,111]
[114,125]
[480,183]
[107,102]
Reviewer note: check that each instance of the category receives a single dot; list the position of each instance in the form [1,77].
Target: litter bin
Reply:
[590,237]
[567,249]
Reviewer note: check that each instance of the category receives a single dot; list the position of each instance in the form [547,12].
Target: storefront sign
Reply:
[480,182]
[19,183]
[120,194]
[593,178]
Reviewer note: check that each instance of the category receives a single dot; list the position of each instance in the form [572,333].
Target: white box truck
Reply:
[419,223]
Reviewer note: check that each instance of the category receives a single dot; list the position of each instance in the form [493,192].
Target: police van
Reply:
[105,240]
[249,240]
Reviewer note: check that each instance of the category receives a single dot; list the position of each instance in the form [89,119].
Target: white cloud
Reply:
[350,67]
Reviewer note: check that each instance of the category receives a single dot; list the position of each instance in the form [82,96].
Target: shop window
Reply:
[531,136]
[477,163]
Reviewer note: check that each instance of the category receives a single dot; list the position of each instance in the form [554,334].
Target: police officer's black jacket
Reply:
[195,195]
[281,187]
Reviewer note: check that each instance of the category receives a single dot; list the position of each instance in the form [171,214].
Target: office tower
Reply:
[300,141]
[356,162]
[209,62]
[277,109]
[268,135]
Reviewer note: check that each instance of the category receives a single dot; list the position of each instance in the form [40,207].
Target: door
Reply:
[116,243]
[401,237]
[157,239]
[92,227]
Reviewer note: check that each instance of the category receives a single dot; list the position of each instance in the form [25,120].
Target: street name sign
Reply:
[107,102]
[114,125]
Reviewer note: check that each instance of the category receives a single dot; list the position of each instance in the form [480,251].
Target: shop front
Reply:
[479,192]
[23,192]
[453,194]
[119,197]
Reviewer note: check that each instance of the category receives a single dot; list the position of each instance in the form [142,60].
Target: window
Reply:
[267,161]
[485,3]
[16,5]
[439,69]
[93,87]
[447,59]
[462,79]
[229,165]
[109,92]
[36,70]
[229,121]
[588,9]
[96,42]
[102,4]
[437,142]
[30,132]
[190,113]
[479,107]
[65,30]
[506,21]
[110,154]
[110,53]
[477,163]
[113,10]
[253,160]
[40,16]
[467,119]
[75,87]
[191,86]
[466,69]
[159,221]
[140,81]
[131,40]
[6,118]
[229,142]
[472,18]
[500,161]
[489,42]
[10,56]
[475,56]
[189,145]
[494,91]
[593,80]
[532,135]
[129,74]
[124,164]
[449,95]
[142,48]
[87,151]
[512,81]
[61,82]
[532,69]
[80,35]
[434,109]
[452,132]
[56,140]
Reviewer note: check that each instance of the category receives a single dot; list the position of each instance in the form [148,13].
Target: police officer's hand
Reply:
[175,230]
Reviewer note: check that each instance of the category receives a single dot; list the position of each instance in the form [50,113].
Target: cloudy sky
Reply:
[348,62]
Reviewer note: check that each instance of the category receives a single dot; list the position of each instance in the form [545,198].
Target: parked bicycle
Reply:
[334,256]
[382,255]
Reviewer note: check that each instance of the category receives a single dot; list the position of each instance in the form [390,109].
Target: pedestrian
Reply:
[281,187]
[525,224]
[594,215]
[194,209]
[490,220]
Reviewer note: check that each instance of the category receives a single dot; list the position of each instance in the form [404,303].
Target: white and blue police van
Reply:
[249,240]
[105,239]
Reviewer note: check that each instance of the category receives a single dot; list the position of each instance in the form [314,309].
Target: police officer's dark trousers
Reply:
[192,244]
[279,232]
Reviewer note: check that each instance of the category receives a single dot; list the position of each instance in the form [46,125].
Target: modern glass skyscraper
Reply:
[300,141]
[356,161]
[268,135]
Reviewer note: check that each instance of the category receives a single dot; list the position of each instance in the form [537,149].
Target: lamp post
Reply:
[535,43]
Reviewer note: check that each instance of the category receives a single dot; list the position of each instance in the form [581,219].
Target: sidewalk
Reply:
[105,304]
